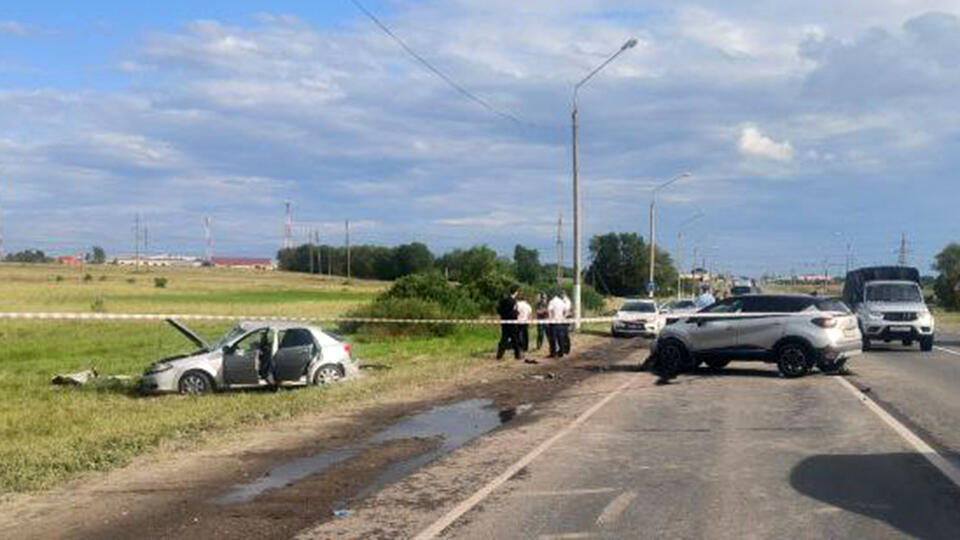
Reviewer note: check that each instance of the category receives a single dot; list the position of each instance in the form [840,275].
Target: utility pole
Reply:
[208,238]
[136,241]
[849,260]
[347,230]
[146,243]
[559,248]
[310,236]
[679,263]
[287,226]
[902,258]
[1,229]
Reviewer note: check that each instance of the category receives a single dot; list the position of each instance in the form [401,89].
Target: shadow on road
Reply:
[736,372]
[948,342]
[902,490]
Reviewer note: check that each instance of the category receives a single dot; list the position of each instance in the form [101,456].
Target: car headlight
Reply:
[924,316]
[159,367]
[875,314]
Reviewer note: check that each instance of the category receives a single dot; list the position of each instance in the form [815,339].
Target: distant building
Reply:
[252,263]
[70,260]
[162,260]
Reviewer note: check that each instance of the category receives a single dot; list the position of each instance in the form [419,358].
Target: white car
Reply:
[679,306]
[637,318]
[793,331]
[253,354]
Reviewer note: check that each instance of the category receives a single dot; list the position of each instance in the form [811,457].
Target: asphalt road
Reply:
[741,454]
[747,454]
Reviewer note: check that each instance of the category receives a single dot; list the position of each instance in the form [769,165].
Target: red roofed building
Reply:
[70,260]
[252,263]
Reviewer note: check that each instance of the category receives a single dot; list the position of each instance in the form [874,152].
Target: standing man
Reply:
[556,310]
[542,314]
[523,317]
[509,336]
[705,298]
[567,313]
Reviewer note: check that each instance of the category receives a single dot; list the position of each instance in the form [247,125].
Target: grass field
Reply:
[49,434]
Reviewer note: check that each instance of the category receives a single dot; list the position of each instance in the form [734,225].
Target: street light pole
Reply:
[630,43]
[698,215]
[653,235]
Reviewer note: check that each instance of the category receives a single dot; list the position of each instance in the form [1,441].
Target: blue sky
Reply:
[807,126]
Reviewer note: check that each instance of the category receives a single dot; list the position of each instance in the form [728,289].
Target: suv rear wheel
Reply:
[793,359]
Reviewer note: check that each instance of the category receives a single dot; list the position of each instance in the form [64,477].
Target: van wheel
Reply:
[717,364]
[195,383]
[866,343]
[327,373]
[793,359]
[926,343]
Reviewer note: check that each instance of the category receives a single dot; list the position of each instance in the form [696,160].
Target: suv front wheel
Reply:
[926,343]
[793,359]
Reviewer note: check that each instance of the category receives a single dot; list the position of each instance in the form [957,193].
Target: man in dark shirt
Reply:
[509,332]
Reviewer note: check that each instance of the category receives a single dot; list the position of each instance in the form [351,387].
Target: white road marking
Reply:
[567,536]
[466,505]
[941,463]
[616,507]
[565,492]
[946,350]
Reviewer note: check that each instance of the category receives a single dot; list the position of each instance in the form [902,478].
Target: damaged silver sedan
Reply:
[253,354]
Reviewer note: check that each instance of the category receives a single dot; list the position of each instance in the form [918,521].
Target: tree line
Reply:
[619,263]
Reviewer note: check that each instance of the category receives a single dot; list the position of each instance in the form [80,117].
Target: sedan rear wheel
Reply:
[793,360]
[195,383]
[328,373]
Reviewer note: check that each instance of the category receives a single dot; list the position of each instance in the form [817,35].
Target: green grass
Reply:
[50,434]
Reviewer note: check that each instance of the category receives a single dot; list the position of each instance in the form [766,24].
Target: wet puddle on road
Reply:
[456,424]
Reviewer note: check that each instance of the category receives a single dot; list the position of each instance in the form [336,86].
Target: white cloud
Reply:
[12,28]
[753,143]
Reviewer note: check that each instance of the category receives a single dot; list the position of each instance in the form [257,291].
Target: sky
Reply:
[815,132]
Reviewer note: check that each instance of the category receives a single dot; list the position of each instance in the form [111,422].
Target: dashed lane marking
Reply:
[616,507]
[566,492]
[935,458]
[946,350]
[466,505]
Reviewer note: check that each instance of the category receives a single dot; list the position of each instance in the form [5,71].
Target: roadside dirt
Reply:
[173,493]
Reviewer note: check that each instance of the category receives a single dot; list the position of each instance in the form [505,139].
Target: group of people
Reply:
[516,335]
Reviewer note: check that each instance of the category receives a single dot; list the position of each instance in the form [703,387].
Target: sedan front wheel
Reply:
[195,383]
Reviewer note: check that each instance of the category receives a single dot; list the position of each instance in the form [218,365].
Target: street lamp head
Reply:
[631,43]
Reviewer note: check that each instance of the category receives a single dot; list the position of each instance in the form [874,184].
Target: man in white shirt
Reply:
[556,310]
[524,310]
[705,299]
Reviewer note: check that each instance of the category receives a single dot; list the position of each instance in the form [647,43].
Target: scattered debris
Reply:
[544,376]
[75,379]
[341,513]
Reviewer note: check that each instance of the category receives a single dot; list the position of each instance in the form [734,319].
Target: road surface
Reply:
[741,454]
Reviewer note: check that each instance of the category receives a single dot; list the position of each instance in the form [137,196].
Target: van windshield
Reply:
[893,292]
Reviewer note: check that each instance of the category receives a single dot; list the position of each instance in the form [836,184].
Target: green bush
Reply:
[160,282]
[58,279]
[87,278]
[399,308]
[432,287]
[489,289]
[417,296]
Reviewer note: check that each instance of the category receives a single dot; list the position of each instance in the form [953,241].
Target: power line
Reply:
[425,63]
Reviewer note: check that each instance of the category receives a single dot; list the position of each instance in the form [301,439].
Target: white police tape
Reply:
[80,316]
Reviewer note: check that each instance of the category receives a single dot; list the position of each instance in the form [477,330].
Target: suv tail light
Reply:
[825,322]
[348,348]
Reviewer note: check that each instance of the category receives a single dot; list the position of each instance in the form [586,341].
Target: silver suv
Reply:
[795,332]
